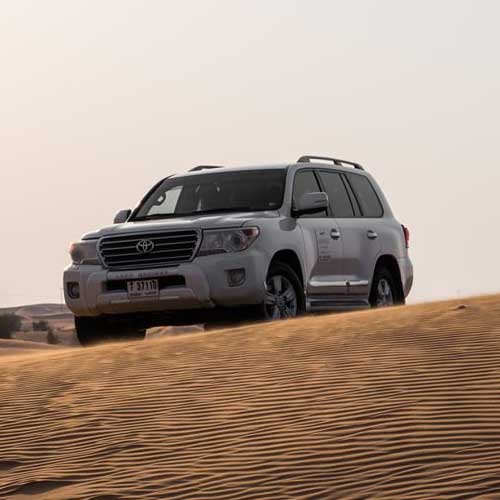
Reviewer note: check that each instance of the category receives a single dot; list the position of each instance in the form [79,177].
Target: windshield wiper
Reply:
[217,210]
[197,212]
[153,216]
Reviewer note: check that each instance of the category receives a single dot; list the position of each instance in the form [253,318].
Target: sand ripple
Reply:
[385,404]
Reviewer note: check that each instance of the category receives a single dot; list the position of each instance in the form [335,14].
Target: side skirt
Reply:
[339,304]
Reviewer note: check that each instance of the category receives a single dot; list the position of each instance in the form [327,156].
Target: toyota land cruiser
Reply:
[219,243]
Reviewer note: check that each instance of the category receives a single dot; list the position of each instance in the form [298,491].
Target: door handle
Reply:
[335,234]
[371,234]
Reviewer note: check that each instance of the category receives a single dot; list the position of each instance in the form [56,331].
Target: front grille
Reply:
[170,248]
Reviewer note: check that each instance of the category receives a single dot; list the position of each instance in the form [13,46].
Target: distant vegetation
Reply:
[41,326]
[9,323]
[51,337]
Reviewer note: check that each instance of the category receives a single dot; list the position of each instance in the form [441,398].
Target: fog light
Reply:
[73,289]
[236,277]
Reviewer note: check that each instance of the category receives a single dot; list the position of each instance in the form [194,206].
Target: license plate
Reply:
[143,288]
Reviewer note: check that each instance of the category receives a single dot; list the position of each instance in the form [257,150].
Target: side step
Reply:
[327,303]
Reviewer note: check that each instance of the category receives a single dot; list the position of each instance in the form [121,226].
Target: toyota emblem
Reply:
[145,246]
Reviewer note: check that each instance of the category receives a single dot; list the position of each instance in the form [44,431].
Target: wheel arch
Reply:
[290,258]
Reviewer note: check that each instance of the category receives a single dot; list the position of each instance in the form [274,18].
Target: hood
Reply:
[212,221]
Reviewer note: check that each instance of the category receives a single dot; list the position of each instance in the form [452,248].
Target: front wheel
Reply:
[284,295]
[92,331]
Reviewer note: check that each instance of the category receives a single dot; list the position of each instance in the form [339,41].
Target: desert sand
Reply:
[400,403]
[22,347]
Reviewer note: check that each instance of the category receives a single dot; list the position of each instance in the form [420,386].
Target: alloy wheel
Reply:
[281,300]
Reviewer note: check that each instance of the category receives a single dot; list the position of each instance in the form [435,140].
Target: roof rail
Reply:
[336,161]
[205,167]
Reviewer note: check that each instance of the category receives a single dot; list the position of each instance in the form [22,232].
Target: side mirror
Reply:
[122,216]
[311,203]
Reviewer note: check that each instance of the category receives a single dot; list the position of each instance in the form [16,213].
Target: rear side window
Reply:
[337,194]
[366,195]
[306,182]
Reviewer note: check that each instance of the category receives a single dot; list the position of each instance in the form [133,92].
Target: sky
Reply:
[100,99]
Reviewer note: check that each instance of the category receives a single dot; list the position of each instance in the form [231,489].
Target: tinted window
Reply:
[216,192]
[305,182]
[366,196]
[337,194]
[355,205]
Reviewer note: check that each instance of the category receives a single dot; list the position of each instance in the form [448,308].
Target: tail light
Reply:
[406,232]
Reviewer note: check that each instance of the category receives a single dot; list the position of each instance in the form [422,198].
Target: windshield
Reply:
[250,190]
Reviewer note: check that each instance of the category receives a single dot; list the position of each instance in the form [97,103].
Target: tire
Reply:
[285,295]
[91,331]
[385,291]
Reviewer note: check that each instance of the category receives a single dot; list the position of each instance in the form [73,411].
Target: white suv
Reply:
[224,244]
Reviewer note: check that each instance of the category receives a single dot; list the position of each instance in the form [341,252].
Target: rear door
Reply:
[322,242]
[356,213]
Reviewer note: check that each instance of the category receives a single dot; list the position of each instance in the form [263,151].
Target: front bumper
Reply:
[206,286]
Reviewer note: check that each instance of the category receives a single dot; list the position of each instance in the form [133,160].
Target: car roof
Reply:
[216,170]
[213,170]
[329,166]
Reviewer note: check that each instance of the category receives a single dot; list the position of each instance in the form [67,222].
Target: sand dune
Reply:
[57,317]
[16,347]
[400,403]
[37,310]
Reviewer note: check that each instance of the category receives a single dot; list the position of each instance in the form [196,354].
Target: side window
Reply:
[355,204]
[305,182]
[366,195]
[337,194]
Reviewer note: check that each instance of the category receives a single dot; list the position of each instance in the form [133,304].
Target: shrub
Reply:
[40,326]
[51,337]
[9,323]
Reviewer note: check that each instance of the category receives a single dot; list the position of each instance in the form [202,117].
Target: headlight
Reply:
[227,240]
[84,252]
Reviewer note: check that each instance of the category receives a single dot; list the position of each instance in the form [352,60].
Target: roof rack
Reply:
[205,167]
[336,161]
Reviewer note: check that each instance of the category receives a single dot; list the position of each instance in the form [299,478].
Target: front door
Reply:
[322,241]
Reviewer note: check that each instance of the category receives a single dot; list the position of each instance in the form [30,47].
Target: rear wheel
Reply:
[97,330]
[385,291]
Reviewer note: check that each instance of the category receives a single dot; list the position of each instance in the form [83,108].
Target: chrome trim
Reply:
[358,283]
[317,283]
